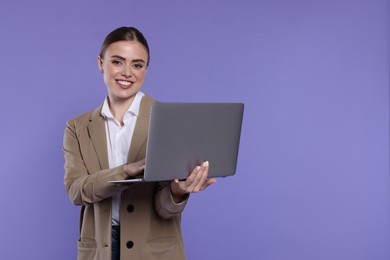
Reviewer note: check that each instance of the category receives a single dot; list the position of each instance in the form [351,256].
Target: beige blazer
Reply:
[150,220]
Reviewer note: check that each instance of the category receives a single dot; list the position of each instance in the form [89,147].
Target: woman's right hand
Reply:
[132,170]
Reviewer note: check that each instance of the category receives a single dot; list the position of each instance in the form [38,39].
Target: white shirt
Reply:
[119,141]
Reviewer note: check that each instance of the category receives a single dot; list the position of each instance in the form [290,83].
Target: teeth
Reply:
[126,83]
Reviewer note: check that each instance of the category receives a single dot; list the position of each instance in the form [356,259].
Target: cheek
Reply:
[141,75]
[106,75]
[109,73]
[108,78]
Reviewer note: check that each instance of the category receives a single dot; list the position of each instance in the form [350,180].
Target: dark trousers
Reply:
[115,243]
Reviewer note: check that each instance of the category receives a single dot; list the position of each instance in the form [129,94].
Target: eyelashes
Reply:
[138,66]
[119,63]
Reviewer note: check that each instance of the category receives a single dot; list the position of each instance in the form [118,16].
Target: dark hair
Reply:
[124,34]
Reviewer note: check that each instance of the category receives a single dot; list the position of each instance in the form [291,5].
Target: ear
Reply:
[100,63]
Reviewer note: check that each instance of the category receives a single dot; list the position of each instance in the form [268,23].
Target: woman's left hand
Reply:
[197,181]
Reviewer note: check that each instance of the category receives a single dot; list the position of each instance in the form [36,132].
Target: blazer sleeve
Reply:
[164,203]
[82,186]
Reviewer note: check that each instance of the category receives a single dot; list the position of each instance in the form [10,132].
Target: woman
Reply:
[136,221]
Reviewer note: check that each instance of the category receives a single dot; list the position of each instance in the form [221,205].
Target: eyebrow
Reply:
[122,58]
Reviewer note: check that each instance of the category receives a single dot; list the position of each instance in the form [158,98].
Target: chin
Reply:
[127,96]
[124,94]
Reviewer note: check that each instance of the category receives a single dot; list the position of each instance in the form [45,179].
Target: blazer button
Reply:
[129,244]
[130,208]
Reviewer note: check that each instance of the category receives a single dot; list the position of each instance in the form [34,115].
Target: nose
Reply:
[127,71]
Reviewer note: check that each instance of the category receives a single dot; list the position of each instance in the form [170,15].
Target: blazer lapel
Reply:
[141,128]
[97,134]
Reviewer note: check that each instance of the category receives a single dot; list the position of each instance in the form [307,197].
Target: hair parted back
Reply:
[124,34]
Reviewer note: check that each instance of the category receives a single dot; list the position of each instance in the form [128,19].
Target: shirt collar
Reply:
[133,109]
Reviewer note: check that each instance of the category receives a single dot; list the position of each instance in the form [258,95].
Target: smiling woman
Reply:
[123,65]
[140,221]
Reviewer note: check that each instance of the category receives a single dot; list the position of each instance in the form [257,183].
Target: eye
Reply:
[116,62]
[138,66]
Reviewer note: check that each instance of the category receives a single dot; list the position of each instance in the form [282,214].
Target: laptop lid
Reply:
[183,135]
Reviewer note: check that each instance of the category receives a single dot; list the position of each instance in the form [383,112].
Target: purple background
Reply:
[313,173]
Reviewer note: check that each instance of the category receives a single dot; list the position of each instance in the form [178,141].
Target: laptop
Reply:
[184,135]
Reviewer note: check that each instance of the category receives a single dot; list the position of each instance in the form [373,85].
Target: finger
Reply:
[199,178]
[196,179]
[202,177]
[182,185]
[139,166]
[175,185]
[132,169]
[141,163]
[190,180]
[208,183]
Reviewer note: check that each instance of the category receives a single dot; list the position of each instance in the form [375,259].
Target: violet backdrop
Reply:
[313,174]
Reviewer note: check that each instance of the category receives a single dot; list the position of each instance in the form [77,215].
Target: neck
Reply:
[119,107]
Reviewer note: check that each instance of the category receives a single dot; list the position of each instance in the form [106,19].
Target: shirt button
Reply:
[129,244]
[130,208]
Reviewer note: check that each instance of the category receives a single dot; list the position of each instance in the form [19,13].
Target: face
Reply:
[124,67]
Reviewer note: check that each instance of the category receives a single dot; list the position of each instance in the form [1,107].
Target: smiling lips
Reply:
[124,84]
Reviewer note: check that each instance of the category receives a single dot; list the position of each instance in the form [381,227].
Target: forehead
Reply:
[127,49]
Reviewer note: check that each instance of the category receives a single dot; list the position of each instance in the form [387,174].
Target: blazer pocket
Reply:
[86,250]
[161,248]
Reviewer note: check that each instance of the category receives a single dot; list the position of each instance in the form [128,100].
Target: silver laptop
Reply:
[184,135]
